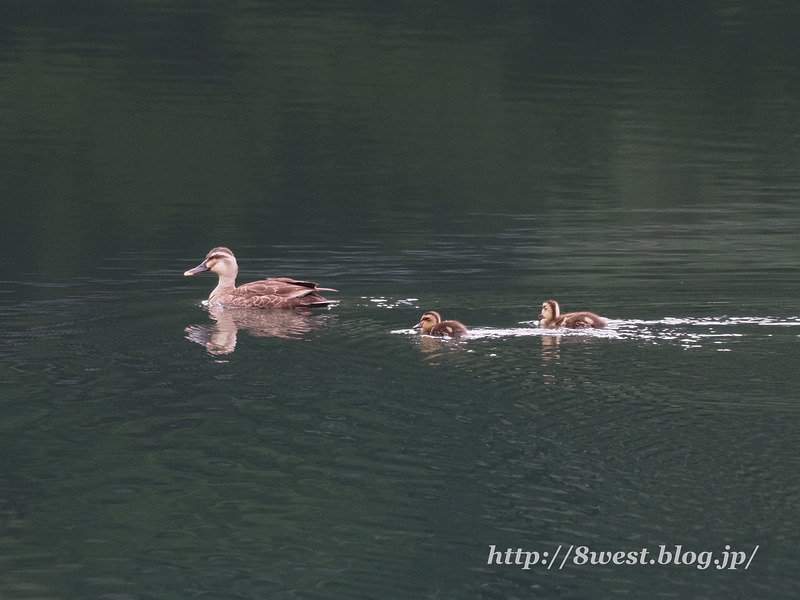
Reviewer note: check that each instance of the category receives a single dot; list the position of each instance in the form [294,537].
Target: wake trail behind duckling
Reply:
[689,332]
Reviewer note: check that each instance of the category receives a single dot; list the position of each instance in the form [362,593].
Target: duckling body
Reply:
[551,317]
[277,292]
[431,324]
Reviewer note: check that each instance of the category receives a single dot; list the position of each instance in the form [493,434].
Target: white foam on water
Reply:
[687,332]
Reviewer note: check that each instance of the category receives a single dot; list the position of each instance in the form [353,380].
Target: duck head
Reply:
[221,261]
[428,321]
[550,312]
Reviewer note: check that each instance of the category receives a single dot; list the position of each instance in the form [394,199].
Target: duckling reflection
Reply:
[550,346]
[430,345]
[551,356]
[220,338]
[440,350]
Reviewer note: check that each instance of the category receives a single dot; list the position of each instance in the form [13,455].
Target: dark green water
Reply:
[634,160]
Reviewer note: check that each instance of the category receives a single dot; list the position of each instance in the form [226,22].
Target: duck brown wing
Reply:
[280,292]
[307,284]
[584,319]
[283,288]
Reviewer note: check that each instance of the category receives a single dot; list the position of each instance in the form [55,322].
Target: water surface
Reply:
[641,164]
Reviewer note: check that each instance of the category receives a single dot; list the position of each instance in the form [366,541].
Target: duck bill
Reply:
[540,317]
[417,326]
[201,268]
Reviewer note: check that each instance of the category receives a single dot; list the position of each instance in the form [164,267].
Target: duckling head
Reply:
[428,321]
[550,312]
[221,261]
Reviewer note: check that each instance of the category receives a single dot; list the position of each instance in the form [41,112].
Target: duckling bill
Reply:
[551,317]
[275,292]
[431,324]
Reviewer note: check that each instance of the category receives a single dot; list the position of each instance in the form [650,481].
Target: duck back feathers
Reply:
[278,292]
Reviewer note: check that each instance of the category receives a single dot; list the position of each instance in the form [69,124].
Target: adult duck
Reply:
[431,324]
[277,292]
[551,317]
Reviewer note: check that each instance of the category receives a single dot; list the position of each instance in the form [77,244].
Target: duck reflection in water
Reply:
[551,344]
[220,338]
[441,350]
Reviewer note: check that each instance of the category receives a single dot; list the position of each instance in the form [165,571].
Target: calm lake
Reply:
[635,160]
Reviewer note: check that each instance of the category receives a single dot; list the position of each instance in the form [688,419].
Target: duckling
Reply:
[551,317]
[278,292]
[431,324]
